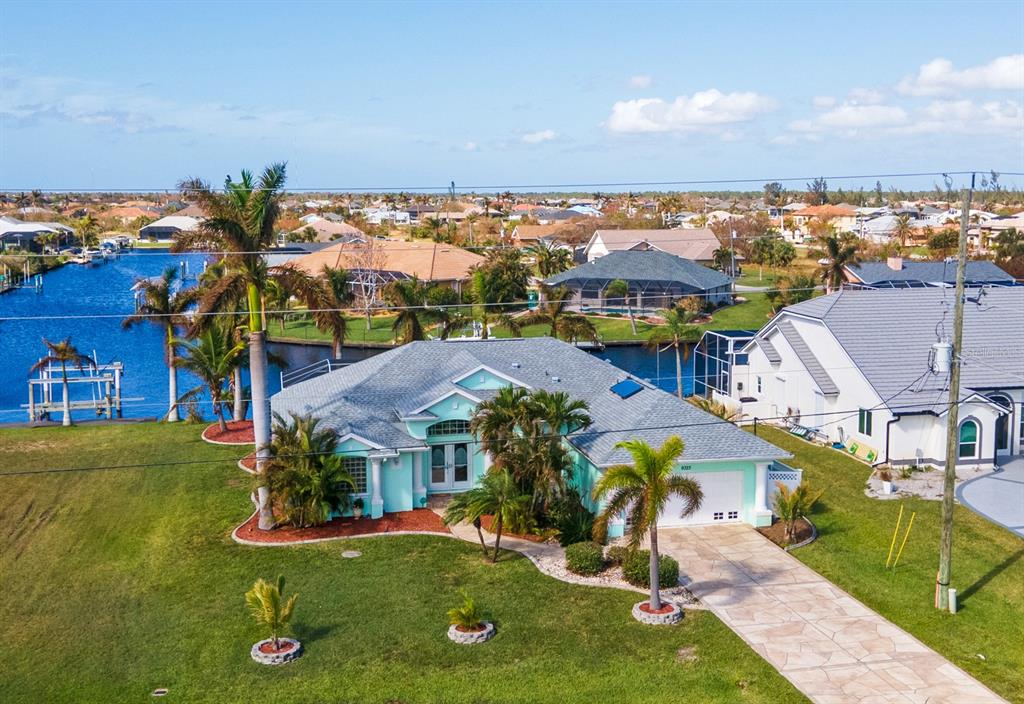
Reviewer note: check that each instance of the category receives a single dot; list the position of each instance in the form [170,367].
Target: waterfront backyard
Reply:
[121,581]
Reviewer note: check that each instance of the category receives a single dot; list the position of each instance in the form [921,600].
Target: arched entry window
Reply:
[448,427]
[968,446]
[1003,422]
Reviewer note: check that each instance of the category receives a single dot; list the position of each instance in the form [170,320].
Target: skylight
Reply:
[626,388]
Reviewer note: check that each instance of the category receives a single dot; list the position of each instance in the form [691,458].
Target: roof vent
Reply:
[516,365]
[556,378]
[626,388]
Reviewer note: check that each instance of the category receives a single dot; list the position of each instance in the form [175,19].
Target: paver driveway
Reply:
[999,496]
[828,644]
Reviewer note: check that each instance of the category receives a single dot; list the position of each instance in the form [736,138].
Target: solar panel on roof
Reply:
[626,388]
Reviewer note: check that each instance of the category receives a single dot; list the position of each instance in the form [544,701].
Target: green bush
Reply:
[636,569]
[617,554]
[572,520]
[584,558]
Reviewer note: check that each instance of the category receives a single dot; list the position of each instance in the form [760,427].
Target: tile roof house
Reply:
[861,368]
[402,417]
[328,230]
[656,279]
[844,219]
[696,244]
[897,272]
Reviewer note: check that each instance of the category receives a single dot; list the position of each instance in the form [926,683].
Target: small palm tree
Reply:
[269,607]
[839,252]
[620,289]
[339,284]
[212,358]
[549,258]
[792,505]
[675,334]
[63,353]
[161,306]
[466,617]
[497,495]
[554,312]
[408,298]
[643,489]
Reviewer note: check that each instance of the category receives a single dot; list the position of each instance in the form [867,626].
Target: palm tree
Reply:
[233,317]
[620,289]
[722,258]
[63,353]
[212,358]
[241,221]
[338,281]
[644,489]
[839,252]
[550,258]
[553,311]
[495,420]
[267,604]
[306,475]
[88,231]
[549,417]
[901,229]
[161,306]
[408,298]
[717,408]
[792,505]
[497,495]
[676,333]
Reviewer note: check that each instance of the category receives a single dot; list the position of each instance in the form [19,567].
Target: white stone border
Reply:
[471,637]
[275,658]
[672,617]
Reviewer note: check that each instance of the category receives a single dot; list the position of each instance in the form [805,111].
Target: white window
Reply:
[968,446]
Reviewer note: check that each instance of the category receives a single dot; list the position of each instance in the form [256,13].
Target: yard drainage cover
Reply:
[351,553]
[160,692]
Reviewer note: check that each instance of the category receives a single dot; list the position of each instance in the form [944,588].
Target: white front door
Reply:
[723,500]
[449,467]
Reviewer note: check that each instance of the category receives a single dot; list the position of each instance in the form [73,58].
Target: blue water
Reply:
[105,289]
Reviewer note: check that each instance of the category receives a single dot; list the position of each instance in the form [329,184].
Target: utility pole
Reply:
[953,414]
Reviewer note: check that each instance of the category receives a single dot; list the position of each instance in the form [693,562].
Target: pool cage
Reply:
[717,352]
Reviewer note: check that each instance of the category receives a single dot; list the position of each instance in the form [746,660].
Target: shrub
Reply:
[584,558]
[468,616]
[636,569]
[790,506]
[617,554]
[572,520]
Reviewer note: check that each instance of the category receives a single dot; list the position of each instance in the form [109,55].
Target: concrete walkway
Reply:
[830,646]
[999,496]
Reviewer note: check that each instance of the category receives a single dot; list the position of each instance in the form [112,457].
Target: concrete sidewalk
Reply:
[828,644]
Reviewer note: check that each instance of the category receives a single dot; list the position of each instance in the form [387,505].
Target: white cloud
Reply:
[539,136]
[851,116]
[939,77]
[967,117]
[703,110]
[823,101]
[640,80]
[865,96]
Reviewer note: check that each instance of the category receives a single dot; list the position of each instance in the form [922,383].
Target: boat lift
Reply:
[103,381]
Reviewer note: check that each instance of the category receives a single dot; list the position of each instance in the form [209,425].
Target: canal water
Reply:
[72,292]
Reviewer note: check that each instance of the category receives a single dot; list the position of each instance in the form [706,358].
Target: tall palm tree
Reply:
[497,495]
[63,353]
[495,420]
[549,258]
[212,358]
[839,252]
[338,282]
[553,311]
[88,230]
[901,229]
[675,334]
[233,317]
[408,298]
[162,306]
[643,489]
[241,222]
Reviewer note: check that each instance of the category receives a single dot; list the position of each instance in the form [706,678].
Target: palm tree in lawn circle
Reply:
[553,311]
[212,358]
[63,353]
[643,489]
[241,222]
[497,495]
[839,252]
[676,333]
[161,306]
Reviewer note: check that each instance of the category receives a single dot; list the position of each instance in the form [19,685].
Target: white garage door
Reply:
[723,500]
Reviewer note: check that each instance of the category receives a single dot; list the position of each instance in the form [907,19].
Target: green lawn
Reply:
[988,569]
[121,581]
[356,332]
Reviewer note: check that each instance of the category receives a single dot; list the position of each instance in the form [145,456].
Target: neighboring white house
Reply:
[859,368]
[168,226]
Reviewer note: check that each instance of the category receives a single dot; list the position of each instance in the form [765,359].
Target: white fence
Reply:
[781,472]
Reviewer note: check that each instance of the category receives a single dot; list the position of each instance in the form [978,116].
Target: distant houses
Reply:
[697,244]
[168,226]
[328,230]
[655,280]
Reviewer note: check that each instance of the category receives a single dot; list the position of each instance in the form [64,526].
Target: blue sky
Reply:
[139,95]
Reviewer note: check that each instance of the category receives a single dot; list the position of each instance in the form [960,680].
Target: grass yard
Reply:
[988,567]
[122,581]
[356,332]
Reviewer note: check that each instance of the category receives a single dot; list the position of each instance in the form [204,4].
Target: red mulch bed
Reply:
[239,433]
[249,461]
[421,520]
[776,532]
[269,648]
[486,522]
[646,608]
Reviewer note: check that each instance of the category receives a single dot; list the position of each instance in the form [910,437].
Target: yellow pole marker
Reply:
[895,533]
[904,543]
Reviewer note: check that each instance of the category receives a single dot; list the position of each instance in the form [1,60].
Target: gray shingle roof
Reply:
[978,272]
[808,358]
[368,398]
[889,333]
[650,265]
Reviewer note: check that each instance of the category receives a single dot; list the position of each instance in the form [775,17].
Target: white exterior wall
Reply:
[596,249]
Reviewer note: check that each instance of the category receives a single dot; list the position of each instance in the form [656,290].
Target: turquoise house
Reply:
[403,421]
